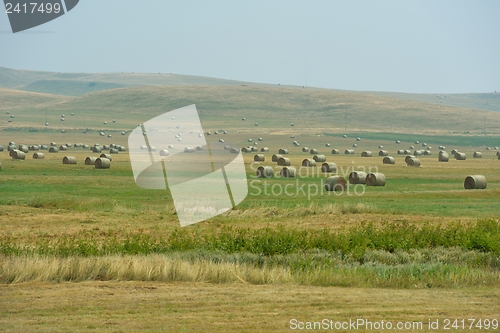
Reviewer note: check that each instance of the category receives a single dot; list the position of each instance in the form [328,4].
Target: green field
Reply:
[96,228]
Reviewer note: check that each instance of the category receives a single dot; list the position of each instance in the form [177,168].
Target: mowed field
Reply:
[87,247]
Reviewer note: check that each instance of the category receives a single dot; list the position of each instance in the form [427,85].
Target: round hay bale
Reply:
[98,149]
[417,142]
[380,147]
[401,152]
[225,147]
[77,145]
[63,148]
[412,147]
[398,142]
[164,152]
[442,148]
[122,148]
[443,157]
[336,183]
[460,156]
[260,139]
[305,149]
[221,140]
[276,157]
[366,153]
[12,152]
[427,153]
[234,151]
[90,160]
[53,150]
[344,136]
[475,182]
[328,167]
[389,160]
[69,160]
[246,149]
[123,133]
[407,158]
[454,151]
[295,143]
[288,172]
[354,145]
[1,148]
[44,147]
[284,161]
[424,144]
[110,136]
[101,133]
[108,156]
[34,148]
[256,124]
[102,163]
[259,158]
[498,153]
[12,143]
[252,149]
[283,151]
[417,153]
[106,147]
[313,151]
[357,177]
[383,153]
[308,162]
[113,151]
[189,150]
[250,140]
[23,148]
[477,154]
[38,156]
[349,152]
[413,162]
[327,145]
[264,149]
[335,152]
[152,148]
[319,158]
[18,155]
[358,139]
[407,152]
[375,179]
[265,172]
[200,148]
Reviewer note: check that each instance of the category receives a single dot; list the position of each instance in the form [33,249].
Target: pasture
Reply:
[421,247]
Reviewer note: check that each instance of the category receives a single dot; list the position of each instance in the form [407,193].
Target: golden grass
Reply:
[235,307]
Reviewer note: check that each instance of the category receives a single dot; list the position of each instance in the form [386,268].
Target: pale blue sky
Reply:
[407,46]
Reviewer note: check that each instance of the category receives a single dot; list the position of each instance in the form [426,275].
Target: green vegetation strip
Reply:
[483,236]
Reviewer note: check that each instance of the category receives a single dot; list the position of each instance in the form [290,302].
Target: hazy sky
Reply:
[408,46]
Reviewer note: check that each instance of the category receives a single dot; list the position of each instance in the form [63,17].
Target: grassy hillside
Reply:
[314,111]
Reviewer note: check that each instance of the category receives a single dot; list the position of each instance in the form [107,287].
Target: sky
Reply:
[402,46]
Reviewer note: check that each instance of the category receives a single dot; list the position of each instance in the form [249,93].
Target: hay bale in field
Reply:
[256,124]
[460,156]
[357,177]
[288,172]
[427,153]
[354,145]
[18,155]
[200,148]
[102,163]
[344,136]
[498,153]
[90,160]
[335,152]
[34,148]
[106,147]
[328,167]
[53,150]
[417,153]
[477,154]
[442,148]
[292,136]
[101,133]
[189,150]
[85,146]
[283,151]
[313,151]
[44,147]
[38,156]
[121,148]
[215,133]
[284,161]
[389,160]
[234,151]
[383,153]
[264,149]
[412,147]
[108,156]
[375,179]
[276,157]
[475,182]
[349,152]
[113,151]
[305,149]
[12,152]
[443,156]
[63,148]
[295,143]
[164,152]
[308,162]
[1,148]
[407,158]
[252,149]
[123,133]
[327,145]
[335,183]
[265,172]
[98,149]
[488,148]
[260,139]
[110,136]
[424,144]
[407,152]
[358,139]
[77,145]
[413,162]
[398,142]
[401,152]
[454,151]
[69,160]
[250,140]
[259,158]
[366,153]
[417,142]
[11,147]
[23,148]
[319,158]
